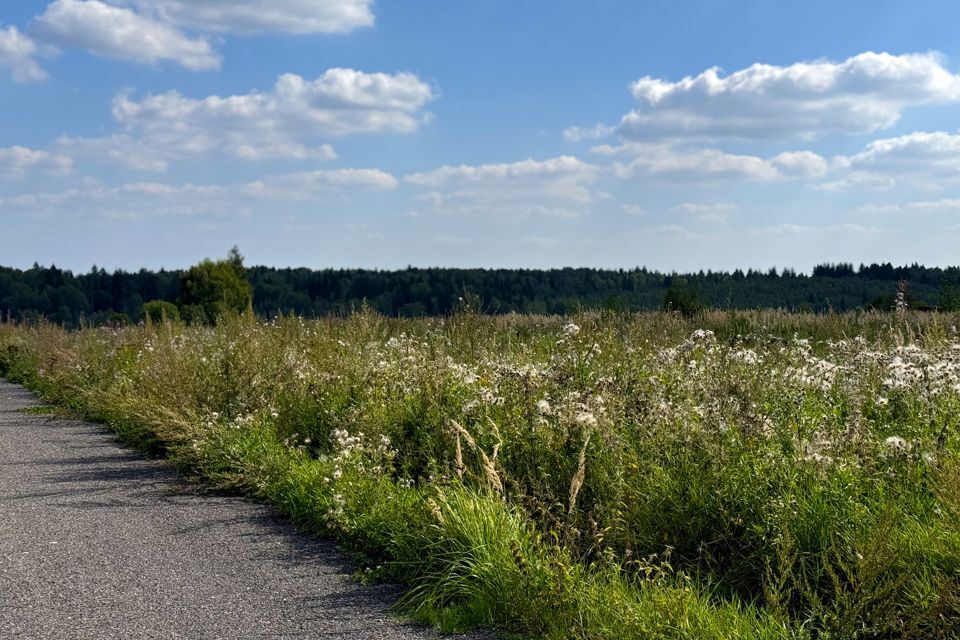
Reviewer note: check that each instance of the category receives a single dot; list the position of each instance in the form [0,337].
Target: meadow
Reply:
[601,475]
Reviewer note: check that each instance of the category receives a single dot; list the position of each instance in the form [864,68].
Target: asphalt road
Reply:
[98,542]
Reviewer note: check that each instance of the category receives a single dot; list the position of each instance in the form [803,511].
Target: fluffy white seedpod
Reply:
[585,419]
[702,335]
[571,329]
[896,445]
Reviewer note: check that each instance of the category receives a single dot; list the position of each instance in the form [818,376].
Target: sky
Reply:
[677,135]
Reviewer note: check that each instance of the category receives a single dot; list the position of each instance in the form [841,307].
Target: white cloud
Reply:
[576,134]
[929,160]
[149,199]
[789,229]
[120,33]
[862,94]
[16,53]
[921,207]
[292,121]
[927,153]
[119,149]
[664,230]
[261,16]
[664,162]
[858,180]
[717,212]
[633,210]
[799,164]
[154,153]
[556,187]
[16,161]
[306,185]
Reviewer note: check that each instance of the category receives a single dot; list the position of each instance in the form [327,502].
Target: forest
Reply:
[99,296]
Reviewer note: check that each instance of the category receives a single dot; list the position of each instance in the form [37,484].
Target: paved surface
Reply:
[97,542]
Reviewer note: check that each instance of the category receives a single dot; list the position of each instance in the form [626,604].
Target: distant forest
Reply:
[98,296]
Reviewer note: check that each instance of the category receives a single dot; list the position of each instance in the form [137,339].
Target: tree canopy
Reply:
[204,291]
[210,289]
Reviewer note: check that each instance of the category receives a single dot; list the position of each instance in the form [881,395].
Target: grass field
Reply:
[747,475]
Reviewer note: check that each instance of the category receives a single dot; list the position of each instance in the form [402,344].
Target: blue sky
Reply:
[673,134]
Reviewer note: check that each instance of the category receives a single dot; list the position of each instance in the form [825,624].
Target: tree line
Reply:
[200,293]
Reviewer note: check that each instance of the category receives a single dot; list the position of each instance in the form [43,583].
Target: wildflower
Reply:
[488,396]
[571,329]
[544,408]
[746,356]
[585,419]
[702,335]
[819,458]
[896,445]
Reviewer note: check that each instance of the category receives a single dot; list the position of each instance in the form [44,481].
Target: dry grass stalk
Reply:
[458,459]
[579,476]
[488,465]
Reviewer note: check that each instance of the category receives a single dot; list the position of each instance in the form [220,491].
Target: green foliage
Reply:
[210,290]
[160,311]
[607,475]
[87,299]
[116,319]
[683,298]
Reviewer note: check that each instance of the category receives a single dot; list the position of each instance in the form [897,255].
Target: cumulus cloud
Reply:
[118,32]
[863,94]
[557,187]
[929,160]
[17,53]
[926,152]
[17,161]
[261,16]
[664,162]
[799,164]
[292,121]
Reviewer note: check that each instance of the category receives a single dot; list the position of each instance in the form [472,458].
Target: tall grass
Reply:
[738,475]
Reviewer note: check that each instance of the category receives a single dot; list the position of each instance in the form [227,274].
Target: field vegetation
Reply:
[603,475]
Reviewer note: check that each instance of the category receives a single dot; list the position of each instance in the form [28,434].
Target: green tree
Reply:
[159,311]
[211,289]
[682,297]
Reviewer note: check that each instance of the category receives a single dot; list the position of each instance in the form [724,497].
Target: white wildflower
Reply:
[702,335]
[746,356]
[585,419]
[896,445]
